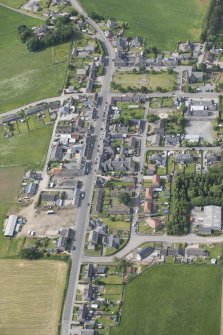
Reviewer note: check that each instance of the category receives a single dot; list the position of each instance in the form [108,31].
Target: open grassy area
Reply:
[173,299]
[24,76]
[150,81]
[31,296]
[13,3]
[162,22]
[28,149]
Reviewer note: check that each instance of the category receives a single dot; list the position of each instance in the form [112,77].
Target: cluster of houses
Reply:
[99,235]
[88,313]
[36,5]
[74,140]
[38,111]
[179,254]
[149,206]
[130,53]
[122,144]
[83,78]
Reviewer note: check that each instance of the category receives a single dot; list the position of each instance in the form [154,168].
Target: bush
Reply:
[31,253]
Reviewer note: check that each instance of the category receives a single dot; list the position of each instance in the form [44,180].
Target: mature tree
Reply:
[31,253]
[124,198]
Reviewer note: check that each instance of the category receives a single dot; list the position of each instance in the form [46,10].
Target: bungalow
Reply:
[97,203]
[144,253]
[112,241]
[88,272]
[155,140]
[82,313]
[88,293]
[100,270]
[195,252]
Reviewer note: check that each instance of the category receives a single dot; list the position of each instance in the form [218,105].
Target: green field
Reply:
[24,76]
[173,299]
[162,22]
[28,149]
[150,81]
[31,296]
[13,3]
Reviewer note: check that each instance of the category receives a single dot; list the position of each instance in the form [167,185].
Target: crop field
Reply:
[150,81]
[162,22]
[173,299]
[24,76]
[31,296]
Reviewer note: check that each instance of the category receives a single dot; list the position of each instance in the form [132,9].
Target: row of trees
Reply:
[191,190]
[62,31]
[214,22]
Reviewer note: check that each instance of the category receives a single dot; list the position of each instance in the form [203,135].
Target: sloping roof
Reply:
[156,180]
[149,193]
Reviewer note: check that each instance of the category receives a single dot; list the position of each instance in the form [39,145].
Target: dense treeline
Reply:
[62,31]
[191,190]
[214,21]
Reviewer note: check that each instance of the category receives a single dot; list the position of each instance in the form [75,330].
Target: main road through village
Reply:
[83,213]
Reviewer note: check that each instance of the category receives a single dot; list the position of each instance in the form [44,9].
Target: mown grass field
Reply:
[28,149]
[173,299]
[24,76]
[31,296]
[162,22]
[150,81]
[13,3]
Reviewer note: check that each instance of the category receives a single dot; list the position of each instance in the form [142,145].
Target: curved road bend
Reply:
[137,239]
[83,212]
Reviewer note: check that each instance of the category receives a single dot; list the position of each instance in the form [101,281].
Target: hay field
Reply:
[31,296]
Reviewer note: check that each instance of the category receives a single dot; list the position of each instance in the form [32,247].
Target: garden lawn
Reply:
[150,81]
[31,296]
[173,299]
[163,22]
[24,76]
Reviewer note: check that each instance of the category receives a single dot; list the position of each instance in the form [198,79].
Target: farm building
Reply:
[10,226]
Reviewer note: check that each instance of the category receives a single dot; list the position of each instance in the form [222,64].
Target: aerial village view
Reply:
[111,167]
